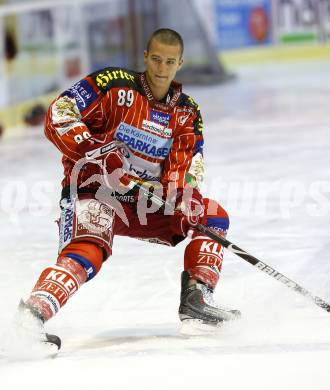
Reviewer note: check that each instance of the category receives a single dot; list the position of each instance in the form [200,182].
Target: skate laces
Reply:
[209,297]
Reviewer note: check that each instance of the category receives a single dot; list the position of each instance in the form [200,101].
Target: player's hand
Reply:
[189,209]
[114,163]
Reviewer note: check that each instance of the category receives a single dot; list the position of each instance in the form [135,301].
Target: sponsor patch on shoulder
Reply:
[185,110]
[84,94]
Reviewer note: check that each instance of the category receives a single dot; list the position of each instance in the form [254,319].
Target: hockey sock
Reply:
[87,254]
[203,260]
[55,286]
[77,263]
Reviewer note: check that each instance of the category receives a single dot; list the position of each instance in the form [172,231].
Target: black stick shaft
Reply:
[263,267]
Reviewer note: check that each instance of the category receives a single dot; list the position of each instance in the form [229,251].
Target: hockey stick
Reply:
[263,267]
[245,256]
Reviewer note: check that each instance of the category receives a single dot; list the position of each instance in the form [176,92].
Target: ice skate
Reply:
[27,337]
[198,312]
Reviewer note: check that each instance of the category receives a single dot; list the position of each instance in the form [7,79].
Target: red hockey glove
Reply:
[189,209]
[113,165]
[111,160]
[108,165]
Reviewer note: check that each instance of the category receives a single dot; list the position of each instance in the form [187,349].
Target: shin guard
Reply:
[203,256]
[55,286]
[203,260]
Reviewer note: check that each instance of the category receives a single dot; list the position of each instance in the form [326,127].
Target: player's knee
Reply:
[215,216]
[89,255]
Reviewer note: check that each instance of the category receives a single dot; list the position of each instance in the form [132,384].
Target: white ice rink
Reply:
[267,158]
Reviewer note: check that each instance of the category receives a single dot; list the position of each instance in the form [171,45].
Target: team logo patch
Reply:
[195,175]
[94,217]
[64,111]
[160,117]
[84,94]
[183,119]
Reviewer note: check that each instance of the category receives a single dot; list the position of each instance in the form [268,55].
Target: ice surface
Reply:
[267,161]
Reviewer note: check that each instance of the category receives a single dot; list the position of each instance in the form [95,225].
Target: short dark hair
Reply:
[168,37]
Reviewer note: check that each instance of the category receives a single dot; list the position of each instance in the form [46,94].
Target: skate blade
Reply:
[21,346]
[33,352]
[49,349]
[194,327]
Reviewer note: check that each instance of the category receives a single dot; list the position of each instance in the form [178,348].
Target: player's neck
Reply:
[159,93]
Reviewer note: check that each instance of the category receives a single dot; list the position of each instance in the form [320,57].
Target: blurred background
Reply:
[45,46]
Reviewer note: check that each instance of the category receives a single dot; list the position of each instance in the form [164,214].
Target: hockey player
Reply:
[143,126]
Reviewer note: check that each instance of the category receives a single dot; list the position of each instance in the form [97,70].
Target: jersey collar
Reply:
[171,99]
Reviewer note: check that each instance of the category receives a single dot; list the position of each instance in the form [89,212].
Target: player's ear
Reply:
[145,56]
[180,63]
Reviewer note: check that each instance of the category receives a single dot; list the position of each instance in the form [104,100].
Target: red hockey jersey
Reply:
[165,138]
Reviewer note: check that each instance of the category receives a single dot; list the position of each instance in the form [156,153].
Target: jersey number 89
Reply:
[125,98]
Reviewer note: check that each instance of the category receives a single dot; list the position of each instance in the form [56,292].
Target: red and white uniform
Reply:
[165,145]
[165,139]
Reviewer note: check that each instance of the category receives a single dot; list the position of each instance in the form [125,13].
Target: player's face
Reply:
[162,62]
